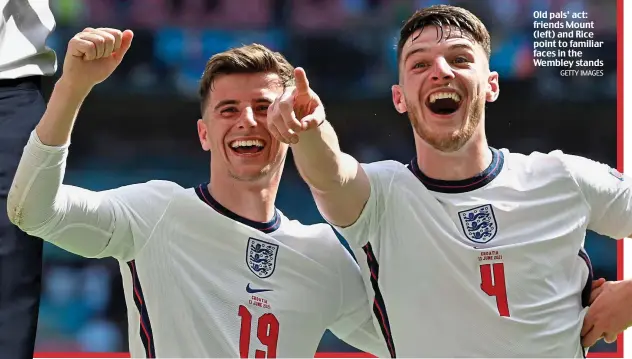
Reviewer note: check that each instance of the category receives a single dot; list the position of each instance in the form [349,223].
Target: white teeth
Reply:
[439,95]
[248,143]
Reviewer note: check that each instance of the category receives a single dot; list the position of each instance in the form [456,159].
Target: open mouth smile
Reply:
[444,102]
[247,147]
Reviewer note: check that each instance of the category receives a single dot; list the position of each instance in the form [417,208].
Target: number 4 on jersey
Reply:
[493,284]
[267,332]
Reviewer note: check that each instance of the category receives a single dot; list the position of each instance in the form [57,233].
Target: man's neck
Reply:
[251,200]
[469,161]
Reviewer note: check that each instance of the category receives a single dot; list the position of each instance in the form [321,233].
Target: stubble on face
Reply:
[450,142]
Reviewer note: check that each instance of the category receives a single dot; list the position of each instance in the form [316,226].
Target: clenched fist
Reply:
[93,54]
[298,109]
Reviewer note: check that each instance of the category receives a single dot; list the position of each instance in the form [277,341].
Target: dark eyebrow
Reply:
[461,47]
[263,99]
[419,49]
[452,47]
[235,102]
[225,102]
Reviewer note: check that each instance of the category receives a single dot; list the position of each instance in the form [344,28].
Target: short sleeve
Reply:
[381,175]
[607,192]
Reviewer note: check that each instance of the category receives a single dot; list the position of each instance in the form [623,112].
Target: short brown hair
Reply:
[247,59]
[441,16]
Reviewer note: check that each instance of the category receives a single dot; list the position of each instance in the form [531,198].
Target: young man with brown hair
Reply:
[210,271]
[470,251]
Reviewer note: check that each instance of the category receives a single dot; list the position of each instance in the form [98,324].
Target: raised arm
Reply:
[84,222]
[92,56]
[338,183]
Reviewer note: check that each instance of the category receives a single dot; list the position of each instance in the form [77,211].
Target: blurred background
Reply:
[141,123]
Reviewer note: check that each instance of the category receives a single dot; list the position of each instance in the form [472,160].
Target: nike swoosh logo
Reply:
[253,291]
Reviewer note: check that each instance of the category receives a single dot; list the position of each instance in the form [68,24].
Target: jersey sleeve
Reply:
[354,322]
[380,176]
[607,192]
[114,223]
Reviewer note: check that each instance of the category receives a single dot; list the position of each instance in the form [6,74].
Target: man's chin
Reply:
[251,175]
[445,142]
[443,137]
[445,124]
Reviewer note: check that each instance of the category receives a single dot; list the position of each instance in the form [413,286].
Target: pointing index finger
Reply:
[302,84]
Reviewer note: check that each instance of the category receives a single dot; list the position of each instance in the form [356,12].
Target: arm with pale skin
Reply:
[337,181]
[87,223]
[340,186]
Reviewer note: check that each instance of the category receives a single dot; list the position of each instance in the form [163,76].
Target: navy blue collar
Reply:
[460,186]
[265,227]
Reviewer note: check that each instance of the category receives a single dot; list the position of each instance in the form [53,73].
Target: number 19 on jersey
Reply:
[267,333]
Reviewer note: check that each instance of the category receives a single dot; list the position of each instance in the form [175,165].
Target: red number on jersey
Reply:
[267,332]
[495,287]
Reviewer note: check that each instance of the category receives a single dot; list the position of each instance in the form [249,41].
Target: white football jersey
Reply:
[492,266]
[199,280]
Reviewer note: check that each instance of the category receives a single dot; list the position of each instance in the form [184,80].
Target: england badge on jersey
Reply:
[479,223]
[261,257]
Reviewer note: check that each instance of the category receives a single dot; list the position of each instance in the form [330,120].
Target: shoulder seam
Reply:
[153,229]
[570,173]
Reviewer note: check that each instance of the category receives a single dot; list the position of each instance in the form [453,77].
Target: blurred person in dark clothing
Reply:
[24,59]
